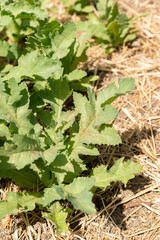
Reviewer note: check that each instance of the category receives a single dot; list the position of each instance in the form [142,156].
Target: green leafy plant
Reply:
[45,145]
[105,23]
[44,142]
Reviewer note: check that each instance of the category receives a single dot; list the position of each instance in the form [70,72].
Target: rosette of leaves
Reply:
[108,26]
[42,142]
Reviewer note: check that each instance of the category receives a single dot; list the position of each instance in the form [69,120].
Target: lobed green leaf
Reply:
[18,200]
[33,66]
[121,171]
[58,216]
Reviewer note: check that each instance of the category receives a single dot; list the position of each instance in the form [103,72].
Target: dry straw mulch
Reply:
[132,212]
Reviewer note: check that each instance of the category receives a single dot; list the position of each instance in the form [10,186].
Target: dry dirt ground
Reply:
[123,213]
